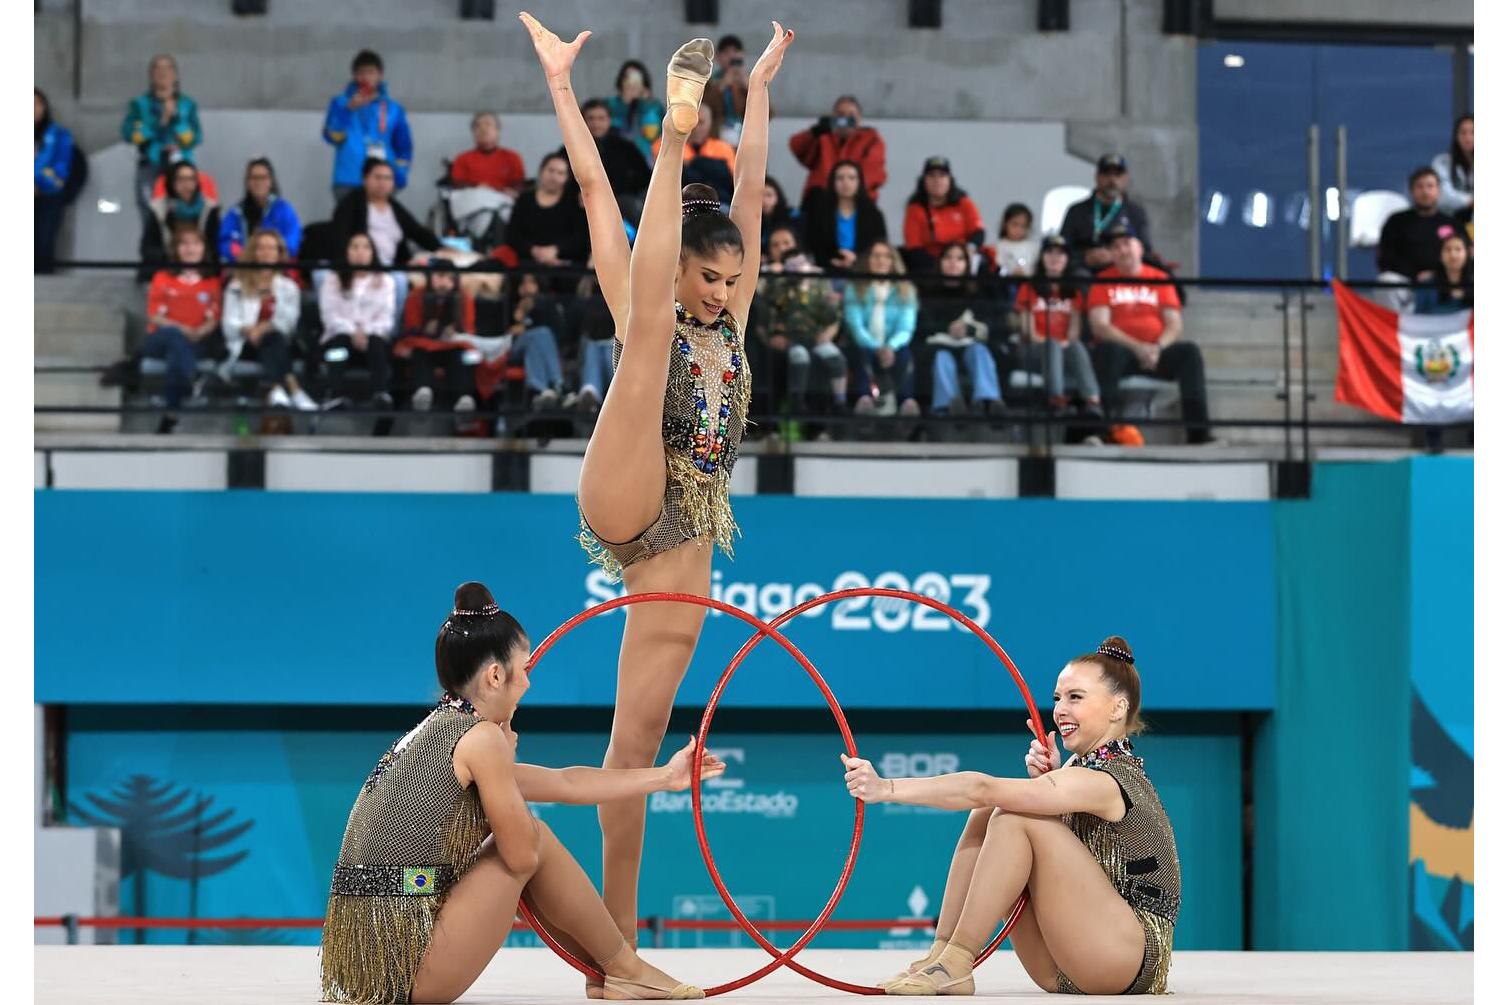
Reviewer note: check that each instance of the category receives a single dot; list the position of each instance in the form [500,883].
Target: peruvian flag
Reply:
[1406,367]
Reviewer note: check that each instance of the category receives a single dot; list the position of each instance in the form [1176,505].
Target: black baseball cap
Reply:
[937,162]
[1111,164]
[1054,241]
[1115,230]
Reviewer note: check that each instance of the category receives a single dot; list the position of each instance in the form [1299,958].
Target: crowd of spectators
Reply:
[934,323]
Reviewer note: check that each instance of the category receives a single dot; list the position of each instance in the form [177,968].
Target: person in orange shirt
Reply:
[938,214]
[488,163]
[183,311]
[1137,328]
[707,159]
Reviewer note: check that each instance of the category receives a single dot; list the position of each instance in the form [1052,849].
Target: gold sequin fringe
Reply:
[705,509]
[372,947]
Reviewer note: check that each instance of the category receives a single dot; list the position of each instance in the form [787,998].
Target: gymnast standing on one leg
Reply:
[440,847]
[653,492]
[1091,842]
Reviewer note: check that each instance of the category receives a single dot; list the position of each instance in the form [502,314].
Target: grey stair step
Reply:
[74,389]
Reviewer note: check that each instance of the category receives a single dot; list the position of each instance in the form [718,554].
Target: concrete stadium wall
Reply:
[1442,13]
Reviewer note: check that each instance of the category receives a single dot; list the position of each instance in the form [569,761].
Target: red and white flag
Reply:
[1406,367]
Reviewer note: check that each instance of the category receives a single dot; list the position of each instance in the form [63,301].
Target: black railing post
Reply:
[71,927]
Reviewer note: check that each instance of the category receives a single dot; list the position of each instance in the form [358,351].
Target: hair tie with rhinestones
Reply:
[1117,653]
[490,609]
[691,207]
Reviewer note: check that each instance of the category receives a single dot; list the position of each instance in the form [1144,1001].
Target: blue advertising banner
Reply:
[258,597]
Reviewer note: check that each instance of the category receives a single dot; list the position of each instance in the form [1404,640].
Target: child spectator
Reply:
[1138,327]
[841,220]
[1051,309]
[183,311]
[52,160]
[363,123]
[432,318]
[1015,250]
[938,214]
[880,316]
[261,317]
[262,208]
[636,113]
[959,321]
[184,202]
[163,126]
[487,163]
[841,136]
[356,309]
[1452,289]
[1455,170]
[546,227]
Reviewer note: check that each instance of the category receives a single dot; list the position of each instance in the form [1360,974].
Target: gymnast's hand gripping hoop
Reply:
[772,630]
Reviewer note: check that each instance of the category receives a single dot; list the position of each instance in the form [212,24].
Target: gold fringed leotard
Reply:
[706,406]
[411,835]
[1139,857]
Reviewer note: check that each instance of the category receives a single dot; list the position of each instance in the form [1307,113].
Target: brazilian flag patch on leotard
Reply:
[418,880]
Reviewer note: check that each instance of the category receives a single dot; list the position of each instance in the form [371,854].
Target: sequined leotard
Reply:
[1140,858]
[411,835]
[706,406]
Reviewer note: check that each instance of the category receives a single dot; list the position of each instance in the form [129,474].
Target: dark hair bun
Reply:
[473,597]
[696,197]
[1117,642]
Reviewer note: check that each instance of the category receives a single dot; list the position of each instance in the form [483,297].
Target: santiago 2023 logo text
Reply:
[967,592]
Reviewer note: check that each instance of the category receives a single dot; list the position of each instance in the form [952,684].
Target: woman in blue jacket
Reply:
[880,317]
[53,155]
[363,122]
[262,207]
[163,126]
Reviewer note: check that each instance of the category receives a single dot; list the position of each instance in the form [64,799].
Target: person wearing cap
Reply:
[1052,308]
[841,136]
[1137,327]
[1085,223]
[938,214]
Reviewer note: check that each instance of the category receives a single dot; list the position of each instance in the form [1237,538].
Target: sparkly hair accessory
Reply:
[489,609]
[1115,652]
[691,207]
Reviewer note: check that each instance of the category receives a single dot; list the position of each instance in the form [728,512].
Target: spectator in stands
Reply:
[1409,249]
[52,159]
[1085,223]
[804,324]
[880,316]
[637,113]
[842,220]
[537,317]
[363,123]
[356,310]
[1014,250]
[958,322]
[595,333]
[938,214]
[627,170]
[1452,289]
[372,211]
[706,159]
[546,227]
[260,317]
[488,163]
[728,90]
[261,208]
[437,313]
[783,240]
[1052,309]
[163,126]
[183,312]
[183,203]
[1455,170]
[777,211]
[1138,329]
[841,136]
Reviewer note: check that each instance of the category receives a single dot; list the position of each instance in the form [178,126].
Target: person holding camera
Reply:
[728,90]
[841,136]
[636,112]
[363,123]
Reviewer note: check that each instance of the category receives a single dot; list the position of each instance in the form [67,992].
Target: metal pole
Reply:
[1287,383]
[1304,308]
[1316,206]
[1342,222]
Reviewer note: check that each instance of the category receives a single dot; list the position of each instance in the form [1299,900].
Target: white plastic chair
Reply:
[1370,211]
[1056,202]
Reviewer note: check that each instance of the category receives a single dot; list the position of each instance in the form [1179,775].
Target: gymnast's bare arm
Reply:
[485,756]
[1067,790]
[583,786]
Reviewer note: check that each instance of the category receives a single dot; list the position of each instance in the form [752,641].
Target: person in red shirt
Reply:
[841,136]
[432,318]
[183,311]
[1137,328]
[488,164]
[1051,309]
[939,214]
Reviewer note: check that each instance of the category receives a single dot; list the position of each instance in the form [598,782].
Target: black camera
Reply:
[843,122]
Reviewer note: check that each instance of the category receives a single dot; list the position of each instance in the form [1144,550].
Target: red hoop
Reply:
[701,742]
[832,702]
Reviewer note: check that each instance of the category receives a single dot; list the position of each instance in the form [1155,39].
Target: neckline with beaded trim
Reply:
[685,317]
[1106,752]
[455,701]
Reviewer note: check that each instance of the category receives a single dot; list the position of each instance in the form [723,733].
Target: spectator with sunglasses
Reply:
[1085,223]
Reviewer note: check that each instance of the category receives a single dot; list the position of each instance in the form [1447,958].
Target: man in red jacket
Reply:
[841,136]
